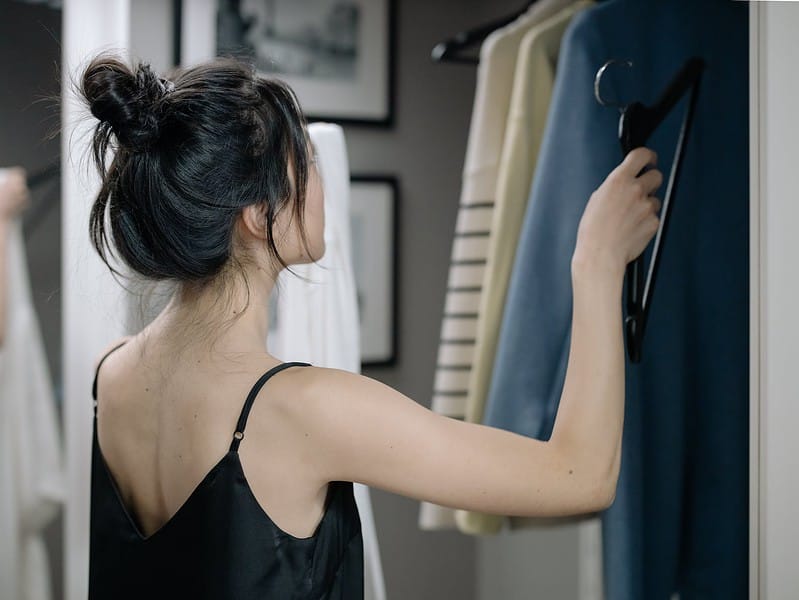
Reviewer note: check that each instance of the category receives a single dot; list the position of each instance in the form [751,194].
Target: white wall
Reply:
[775,298]
[91,299]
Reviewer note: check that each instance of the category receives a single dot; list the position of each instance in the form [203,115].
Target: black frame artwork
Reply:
[375,89]
[379,330]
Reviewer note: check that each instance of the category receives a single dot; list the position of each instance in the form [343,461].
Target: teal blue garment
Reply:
[680,519]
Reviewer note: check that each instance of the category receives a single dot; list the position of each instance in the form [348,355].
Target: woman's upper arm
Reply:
[364,431]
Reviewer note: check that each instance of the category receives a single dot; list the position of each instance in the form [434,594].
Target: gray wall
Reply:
[532,563]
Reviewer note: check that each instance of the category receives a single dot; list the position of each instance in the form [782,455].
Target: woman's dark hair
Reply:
[188,156]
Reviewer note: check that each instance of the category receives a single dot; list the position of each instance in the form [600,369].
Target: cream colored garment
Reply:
[31,475]
[317,312]
[495,75]
[532,92]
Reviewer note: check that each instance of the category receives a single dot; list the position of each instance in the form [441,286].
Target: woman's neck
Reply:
[226,318]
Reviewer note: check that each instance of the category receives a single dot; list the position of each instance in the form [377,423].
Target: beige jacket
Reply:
[532,90]
[495,81]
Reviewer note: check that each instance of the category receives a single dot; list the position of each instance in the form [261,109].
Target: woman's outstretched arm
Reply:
[366,431]
[357,429]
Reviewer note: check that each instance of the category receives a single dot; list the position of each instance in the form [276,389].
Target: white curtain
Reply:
[31,454]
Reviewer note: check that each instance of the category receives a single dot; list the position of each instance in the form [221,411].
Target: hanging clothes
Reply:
[529,105]
[680,519]
[31,472]
[472,230]
[316,311]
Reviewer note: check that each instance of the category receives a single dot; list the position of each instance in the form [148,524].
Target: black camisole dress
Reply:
[221,544]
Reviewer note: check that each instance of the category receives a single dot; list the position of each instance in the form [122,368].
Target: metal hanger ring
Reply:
[598,80]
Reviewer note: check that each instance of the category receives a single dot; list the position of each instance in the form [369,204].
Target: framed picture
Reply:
[337,55]
[373,218]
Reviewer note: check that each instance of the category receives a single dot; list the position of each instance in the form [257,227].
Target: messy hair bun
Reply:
[188,156]
[128,102]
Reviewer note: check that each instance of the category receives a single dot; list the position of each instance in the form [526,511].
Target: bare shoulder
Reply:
[110,348]
[322,389]
[326,381]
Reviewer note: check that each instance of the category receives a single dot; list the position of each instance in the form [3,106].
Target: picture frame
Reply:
[337,55]
[374,210]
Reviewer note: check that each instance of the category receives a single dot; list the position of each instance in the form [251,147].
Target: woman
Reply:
[13,198]
[208,486]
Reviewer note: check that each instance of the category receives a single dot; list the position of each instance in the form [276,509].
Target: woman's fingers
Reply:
[637,159]
[651,181]
[656,204]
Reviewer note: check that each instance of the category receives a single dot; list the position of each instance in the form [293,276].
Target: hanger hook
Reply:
[598,79]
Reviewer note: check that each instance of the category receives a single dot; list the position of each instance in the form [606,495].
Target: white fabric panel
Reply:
[468,276]
[451,381]
[470,248]
[31,470]
[458,328]
[462,302]
[317,311]
[454,354]
[92,300]
[433,517]
[473,219]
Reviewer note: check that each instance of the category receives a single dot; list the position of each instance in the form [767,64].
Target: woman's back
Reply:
[173,511]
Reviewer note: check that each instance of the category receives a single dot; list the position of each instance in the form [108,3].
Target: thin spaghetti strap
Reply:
[97,372]
[238,435]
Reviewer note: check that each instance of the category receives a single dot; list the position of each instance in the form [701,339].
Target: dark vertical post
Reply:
[177,31]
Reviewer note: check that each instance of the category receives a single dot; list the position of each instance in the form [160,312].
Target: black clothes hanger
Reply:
[636,124]
[452,50]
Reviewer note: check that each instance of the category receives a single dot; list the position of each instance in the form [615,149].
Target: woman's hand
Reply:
[13,193]
[621,216]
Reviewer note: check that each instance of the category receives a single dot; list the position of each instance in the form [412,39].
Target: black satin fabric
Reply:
[221,544]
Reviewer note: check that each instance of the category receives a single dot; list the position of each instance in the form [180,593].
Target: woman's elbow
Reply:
[607,495]
[599,489]
[606,488]
[597,497]
[599,482]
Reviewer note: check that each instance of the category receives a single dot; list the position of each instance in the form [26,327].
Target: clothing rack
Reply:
[452,50]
